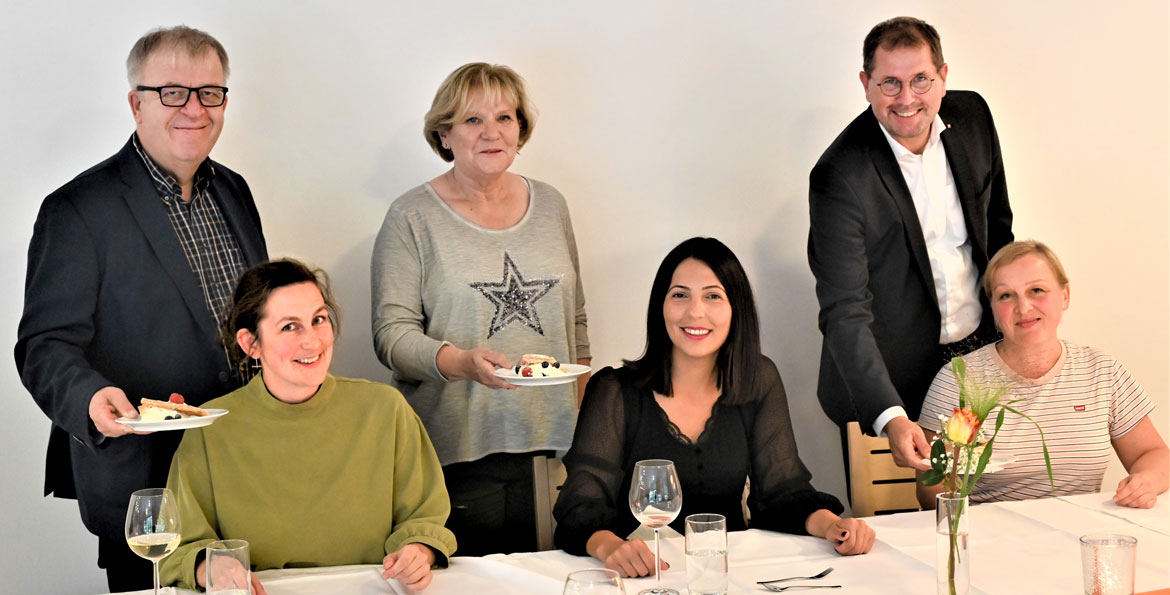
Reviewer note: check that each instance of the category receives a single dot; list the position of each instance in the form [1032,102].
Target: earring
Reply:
[247,369]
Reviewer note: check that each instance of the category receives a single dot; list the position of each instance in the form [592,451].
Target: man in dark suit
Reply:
[906,207]
[129,268]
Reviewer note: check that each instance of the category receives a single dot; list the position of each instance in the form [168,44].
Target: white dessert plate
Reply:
[195,421]
[997,462]
[572,371]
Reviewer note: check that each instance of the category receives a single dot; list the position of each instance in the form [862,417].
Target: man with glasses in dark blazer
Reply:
[130,267]
[906,207]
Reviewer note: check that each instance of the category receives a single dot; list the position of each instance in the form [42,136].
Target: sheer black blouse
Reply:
[621,424]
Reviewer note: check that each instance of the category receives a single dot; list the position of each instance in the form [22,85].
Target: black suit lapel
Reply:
[966,185]
[142,199]
[229,198]
[895,183]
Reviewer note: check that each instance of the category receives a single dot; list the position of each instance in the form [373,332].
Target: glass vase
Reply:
[952,527]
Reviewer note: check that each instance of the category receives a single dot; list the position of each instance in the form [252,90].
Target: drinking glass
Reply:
[655,500]
[706,554]
[228,569]
[593,580]
[152,525]
[1107,564]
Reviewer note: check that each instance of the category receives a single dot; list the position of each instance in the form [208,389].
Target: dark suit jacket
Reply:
[879,311]
[110,300]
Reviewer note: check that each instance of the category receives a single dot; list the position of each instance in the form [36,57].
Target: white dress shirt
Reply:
[936,200]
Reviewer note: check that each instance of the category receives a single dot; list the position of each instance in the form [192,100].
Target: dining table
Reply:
[1029,546]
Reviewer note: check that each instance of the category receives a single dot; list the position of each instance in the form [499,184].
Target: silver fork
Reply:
[821,574]
[780,588]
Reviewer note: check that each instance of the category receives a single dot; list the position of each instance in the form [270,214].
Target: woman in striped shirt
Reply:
[1085,400]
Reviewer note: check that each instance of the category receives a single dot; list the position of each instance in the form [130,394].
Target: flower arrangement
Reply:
[962,443]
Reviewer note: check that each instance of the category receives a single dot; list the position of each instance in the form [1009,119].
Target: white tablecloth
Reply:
[1016,547]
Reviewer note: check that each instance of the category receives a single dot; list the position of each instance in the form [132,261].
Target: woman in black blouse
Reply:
[703,396]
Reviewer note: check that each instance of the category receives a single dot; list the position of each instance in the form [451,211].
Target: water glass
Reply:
[228,569]
[706,554]
[594,580]
[1107,564]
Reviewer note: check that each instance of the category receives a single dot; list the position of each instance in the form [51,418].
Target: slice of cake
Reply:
[175,408]
[534,365]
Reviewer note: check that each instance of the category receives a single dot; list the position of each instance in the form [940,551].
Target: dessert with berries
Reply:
[174,408]
[534,365]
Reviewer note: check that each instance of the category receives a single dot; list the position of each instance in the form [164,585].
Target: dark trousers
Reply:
[125,570]
[492,504]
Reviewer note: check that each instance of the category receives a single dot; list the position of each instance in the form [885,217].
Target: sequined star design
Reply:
[514,298]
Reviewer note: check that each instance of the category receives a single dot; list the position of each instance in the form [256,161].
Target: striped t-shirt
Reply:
[1082,403]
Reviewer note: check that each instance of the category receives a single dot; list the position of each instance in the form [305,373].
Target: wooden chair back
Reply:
[877,485]
[548,475]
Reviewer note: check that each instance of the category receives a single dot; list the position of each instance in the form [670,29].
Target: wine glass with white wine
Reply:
[152,525]
[655,500]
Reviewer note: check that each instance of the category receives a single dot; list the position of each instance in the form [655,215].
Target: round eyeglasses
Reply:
[178,96]
[891,87]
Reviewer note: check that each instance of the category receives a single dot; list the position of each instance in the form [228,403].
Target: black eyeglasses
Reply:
[891,87]
[178,96]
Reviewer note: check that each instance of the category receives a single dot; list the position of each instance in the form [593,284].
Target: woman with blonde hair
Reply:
[470,271]
[1085,401]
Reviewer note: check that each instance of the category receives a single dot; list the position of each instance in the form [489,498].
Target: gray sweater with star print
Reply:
[438,278]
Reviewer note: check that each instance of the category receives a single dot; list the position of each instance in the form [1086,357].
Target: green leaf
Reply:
[931,477]
[1043,444]
[938,453]
[986,456]
[998,423]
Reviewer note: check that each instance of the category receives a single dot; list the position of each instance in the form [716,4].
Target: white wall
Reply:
[658,121]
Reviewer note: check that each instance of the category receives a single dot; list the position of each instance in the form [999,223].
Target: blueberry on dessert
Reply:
[536,365]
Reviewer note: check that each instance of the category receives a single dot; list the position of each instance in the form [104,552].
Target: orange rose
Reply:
[963,426]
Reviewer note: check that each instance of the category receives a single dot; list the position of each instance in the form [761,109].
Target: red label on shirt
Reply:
[1078,407]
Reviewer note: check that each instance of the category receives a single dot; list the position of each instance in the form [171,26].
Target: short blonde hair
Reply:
[454,95]
[1016,250]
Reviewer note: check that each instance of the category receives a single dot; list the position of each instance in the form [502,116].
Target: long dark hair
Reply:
[251,297]
[739,359]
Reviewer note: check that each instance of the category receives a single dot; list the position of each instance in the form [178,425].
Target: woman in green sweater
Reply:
[310,469]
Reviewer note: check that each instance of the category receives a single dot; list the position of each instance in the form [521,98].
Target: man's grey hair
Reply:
[191,42]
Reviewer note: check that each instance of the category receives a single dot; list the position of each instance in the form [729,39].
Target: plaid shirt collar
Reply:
[166,184]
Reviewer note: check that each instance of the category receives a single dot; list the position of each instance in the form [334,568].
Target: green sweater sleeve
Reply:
[421,503]
[190,481]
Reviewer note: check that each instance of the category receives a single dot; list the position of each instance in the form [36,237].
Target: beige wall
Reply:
[658,121]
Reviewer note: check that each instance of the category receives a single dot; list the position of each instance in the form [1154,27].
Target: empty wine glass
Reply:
[594,580]
[152,525]
[655,500]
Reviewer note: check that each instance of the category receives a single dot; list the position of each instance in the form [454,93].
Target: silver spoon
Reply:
[821,574]
[778,588]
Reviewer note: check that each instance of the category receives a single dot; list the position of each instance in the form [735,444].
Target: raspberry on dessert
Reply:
[526,372]
[176,398]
